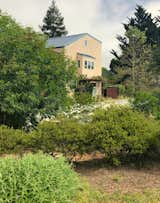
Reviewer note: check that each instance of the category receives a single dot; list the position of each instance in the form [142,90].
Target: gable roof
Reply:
[63,41]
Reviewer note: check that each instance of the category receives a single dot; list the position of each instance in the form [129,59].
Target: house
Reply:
[85,49]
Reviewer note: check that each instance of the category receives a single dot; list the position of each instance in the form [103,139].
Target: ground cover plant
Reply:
[37,178]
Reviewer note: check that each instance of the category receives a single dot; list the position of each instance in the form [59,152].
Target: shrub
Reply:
[11,141]
[37,178]
[67,136]
[83,98]
[146,102]
[122,131]
[117,131]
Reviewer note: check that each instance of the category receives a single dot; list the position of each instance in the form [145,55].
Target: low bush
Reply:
[11,140]
[37,178]
[66,136]
[84,98]
[118,132]
[122,131]
[146,102]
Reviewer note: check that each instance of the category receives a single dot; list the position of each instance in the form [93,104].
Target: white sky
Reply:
[101,18]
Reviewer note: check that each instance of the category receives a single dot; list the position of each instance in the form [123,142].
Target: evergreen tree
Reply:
[135,59]
[145,23]
[53,22]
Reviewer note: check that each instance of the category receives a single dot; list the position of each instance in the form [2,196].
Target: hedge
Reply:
[115,132]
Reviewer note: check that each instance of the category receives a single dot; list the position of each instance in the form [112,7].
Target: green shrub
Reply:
[11,140]
[37,178]
[122,131]
[146,102]
[83,98]
[117,132]
[67,136]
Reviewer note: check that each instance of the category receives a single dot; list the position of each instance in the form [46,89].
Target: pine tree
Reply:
[53,22]
[145,23]
[135,59]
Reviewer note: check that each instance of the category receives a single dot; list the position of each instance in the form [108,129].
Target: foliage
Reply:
[108,77]
[135,60]
[37,178]
[146,60]
[144,21]
[116,132]
[83,98]
[67,136]
[53,22]
[11,140]
[155,63]
[33,79]
[146,102]
[119,133]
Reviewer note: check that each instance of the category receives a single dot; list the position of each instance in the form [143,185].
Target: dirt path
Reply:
[122,180]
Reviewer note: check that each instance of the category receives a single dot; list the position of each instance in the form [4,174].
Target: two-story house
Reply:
[86,50]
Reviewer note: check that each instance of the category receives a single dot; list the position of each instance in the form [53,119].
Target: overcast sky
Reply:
[101,18]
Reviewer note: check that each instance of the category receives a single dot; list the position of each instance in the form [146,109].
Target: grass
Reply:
[90,196]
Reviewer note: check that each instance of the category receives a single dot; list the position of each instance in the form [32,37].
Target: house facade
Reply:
[86,50]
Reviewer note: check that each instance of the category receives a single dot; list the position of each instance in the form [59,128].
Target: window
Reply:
[86,64]
[89,65]
[92,65]
[85,43]
[79,63]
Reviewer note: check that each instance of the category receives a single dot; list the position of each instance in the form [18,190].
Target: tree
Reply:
[33,79]
[145,23]
[53,22]
[135,59]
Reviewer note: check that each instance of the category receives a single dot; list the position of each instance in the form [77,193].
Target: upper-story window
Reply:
[89,65]
[79,63]
[86,64]
[92,65]
[85,43]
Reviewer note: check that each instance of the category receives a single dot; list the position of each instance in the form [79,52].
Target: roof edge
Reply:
[93,37]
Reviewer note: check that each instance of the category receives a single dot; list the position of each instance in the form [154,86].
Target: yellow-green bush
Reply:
[11,140]
[118,132]
[67,136]
[122,131]
[37,178]
[115,132]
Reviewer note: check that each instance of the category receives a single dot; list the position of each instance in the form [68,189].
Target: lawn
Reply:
[120,184]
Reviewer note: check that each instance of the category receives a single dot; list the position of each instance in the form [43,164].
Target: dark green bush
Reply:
[84,98]
[37,178]
[146,102]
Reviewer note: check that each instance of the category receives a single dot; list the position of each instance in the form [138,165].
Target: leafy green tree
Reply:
[53,24]
[33,79]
